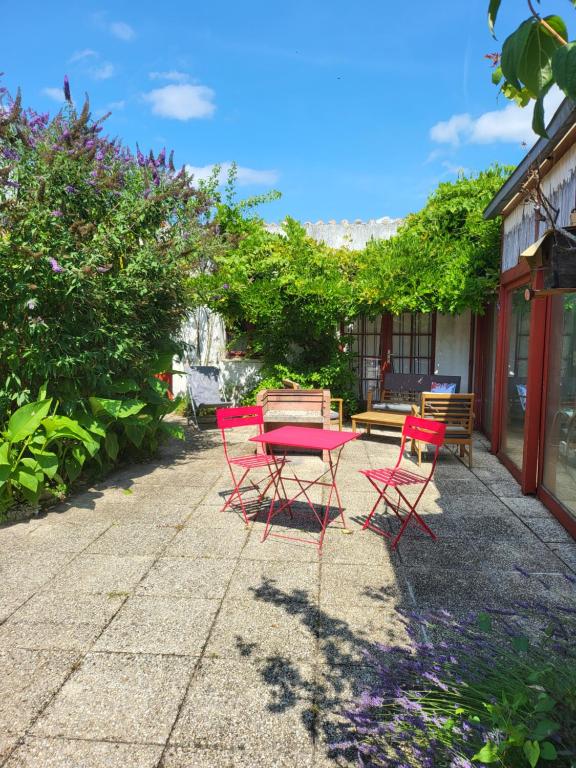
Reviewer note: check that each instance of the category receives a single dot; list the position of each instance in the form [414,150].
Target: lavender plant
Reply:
[496,688]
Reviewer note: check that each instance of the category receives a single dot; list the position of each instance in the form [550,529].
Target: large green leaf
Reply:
[548,751]
[564,69]
[72,467]
[92,425]
[48,462]
[174,430]
[531,750]
[26,420]
[544,728]
[488,754]
[527,54]
[4,453]
[135,430]
[492,14]
[118,409]
[111,444]
[26,477]
[64,427]
[538,117]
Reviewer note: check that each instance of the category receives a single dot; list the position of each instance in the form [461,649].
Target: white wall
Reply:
[453,347]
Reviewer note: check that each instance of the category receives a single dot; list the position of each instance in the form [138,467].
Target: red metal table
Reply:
[311,439]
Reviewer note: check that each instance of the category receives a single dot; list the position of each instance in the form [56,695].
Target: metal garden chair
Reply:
[204,389]
[388,480]
[245,416]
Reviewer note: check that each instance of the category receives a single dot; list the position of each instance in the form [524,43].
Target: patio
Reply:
[143,628]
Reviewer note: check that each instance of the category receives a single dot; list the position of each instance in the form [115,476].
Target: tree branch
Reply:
[545,24]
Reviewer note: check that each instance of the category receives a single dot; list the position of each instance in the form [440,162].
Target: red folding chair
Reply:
[386,480]
[231,418]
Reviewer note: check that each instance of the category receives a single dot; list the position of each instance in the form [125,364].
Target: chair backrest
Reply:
[289,384]
[203,382]
[455,410]
[406,385]
[294,399]
[243,416]
[426,430]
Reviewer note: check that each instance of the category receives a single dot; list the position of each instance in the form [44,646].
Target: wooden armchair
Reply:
[454,410]
[289,407]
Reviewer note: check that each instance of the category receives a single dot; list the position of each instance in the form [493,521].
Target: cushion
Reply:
[311,417]
[393,407]
[443,387]
[334,415]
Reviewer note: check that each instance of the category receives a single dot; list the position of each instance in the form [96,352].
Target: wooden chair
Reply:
[334,414]
[454,410]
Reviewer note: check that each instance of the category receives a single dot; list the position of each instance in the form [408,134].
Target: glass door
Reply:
[409,340]
[559,469]
[516,384]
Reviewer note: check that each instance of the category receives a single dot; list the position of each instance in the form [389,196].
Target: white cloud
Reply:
[56,94]
[182,102]
[122,31]
[244,176]
[87,53]
[509,125]
[117,105]
[103,72]
[173,75]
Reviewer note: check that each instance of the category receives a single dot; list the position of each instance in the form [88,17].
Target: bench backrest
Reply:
[294,399]
[453,410]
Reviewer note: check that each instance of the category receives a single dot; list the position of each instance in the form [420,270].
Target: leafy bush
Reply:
[45,447]
[96,245]
[497,688]
[337,377]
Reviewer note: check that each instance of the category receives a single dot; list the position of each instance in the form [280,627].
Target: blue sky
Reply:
[351,110]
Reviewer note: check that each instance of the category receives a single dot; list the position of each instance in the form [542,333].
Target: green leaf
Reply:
[548,751]
[48,462]
[492,14]
[564,69]
[538,117]
[26,477]
[135,430]
[72,467]
[544,728]
[484,622]
[26,420]
[496,75]
[118,409]
[545,703]
[531,750]
[4,453]
[111,444]
[527,54]
[5,470]
[512,51]
[174,430]
[488,753]
[520,644]
[92,425]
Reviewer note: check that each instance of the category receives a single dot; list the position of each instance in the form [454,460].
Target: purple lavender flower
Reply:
[54,266]
[67,94]
[105,268]
[57,213]
[70,189]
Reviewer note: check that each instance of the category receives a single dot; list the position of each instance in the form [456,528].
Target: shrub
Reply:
[96,245]
[496,688]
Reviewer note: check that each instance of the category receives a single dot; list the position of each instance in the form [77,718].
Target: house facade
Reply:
[528,342]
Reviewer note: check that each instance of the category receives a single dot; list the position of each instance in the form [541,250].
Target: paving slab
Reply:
[165,625]
[200,542]
[258,579]
[132,539]
[359,585]
[48,635]
[63,753]
[186,577]
[103,574]
[67,608]
[118,697]
[28,679]
[228,697]
[187,757]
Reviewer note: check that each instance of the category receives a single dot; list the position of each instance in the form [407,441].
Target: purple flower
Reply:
[70,189]
[225,287]
[57,213]
[31,303]
[105,268]
[67,94]
[54,266]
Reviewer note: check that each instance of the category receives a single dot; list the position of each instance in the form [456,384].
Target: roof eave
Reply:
[564,119]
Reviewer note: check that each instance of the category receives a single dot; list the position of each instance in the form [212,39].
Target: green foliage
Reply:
[444,258]
[95,248]
[336,376]
[537,55]
[45,447]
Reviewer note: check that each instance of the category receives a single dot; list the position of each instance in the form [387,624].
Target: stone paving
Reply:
[142,627]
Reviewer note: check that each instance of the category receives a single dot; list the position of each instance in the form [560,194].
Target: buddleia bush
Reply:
[96,244]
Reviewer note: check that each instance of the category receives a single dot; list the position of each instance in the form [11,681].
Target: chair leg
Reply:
[470,455]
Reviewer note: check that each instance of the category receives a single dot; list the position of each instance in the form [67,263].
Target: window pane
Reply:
[560,440]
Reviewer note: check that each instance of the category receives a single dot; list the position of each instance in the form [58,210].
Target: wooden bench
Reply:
[400,391]
[289,407]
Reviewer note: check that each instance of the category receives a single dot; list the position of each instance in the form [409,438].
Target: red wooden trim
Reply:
[559,511]
[499,370]
[515,276]
[534,396]
[545,383]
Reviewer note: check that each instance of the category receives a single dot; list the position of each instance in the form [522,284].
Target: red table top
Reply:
[306,437]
